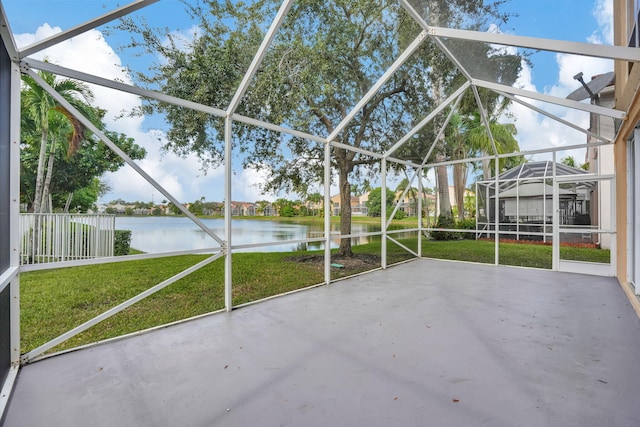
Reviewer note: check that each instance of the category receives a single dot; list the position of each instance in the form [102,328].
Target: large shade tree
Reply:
[326,56]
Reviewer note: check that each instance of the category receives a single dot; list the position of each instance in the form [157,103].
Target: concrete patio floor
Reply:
[426,343]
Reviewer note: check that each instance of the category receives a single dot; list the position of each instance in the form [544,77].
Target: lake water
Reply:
[155,234]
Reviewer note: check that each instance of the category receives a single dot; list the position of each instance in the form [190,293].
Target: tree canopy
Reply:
[374,203]
[324,59]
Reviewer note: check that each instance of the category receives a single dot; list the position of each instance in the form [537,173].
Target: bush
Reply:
[444,222]
[122,242]
[399,215]
[287,211]
[466,224]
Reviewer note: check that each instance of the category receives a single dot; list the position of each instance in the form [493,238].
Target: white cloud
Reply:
[247,186]
[182,177]
[90,53]
[603,12]
[538,131]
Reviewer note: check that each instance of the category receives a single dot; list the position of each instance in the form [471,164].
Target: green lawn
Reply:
[524,255]
[55,301]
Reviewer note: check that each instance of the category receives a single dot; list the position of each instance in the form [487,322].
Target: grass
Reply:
[55,301]
[58,300]
[515,254]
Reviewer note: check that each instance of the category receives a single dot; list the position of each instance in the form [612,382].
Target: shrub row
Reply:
[449,223]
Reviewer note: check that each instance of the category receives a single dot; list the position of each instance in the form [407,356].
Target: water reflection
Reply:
[168,234]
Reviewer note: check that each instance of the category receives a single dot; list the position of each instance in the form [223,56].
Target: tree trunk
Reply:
[37,198]
[44,205]
[443,188]
[68,203]
[486,169]
[426,212]
[442,177]
[345,210]
[459,178]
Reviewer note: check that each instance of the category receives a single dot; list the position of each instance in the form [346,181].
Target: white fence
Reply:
[65,237]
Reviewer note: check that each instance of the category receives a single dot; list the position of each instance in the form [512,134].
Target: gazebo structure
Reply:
[426,341]
[525,202]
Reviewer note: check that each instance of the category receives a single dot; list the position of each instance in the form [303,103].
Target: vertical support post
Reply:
[630,239]
[477,211]
[544,208]
[518,209]
[555,240]
[228,172]
[419,207]
[9,223]
[383,214]
[327,213]
[14,210]
[613,225]
[497,210]
[487,206]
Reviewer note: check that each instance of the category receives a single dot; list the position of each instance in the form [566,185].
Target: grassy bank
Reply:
[53,302]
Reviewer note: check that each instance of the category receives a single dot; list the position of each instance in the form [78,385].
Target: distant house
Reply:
[269,210]
[314,208]
[358,205]
[164,209]
[360,209]
[408,203]
[120,209]
[243,209]
[335,205]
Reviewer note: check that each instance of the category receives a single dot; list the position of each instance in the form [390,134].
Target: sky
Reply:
[98,52]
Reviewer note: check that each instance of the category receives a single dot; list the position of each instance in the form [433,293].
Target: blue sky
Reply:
[575,20]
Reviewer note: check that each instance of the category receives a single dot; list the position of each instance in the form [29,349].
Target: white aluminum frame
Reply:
[229,115]
[584,267]
[11,277]
[563,102]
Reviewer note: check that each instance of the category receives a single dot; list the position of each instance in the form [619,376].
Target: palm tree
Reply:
[261,206]
[459,149]
[412,193]
[54,125]
[468,138]
[503,135]
[314,200]
[427,204]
